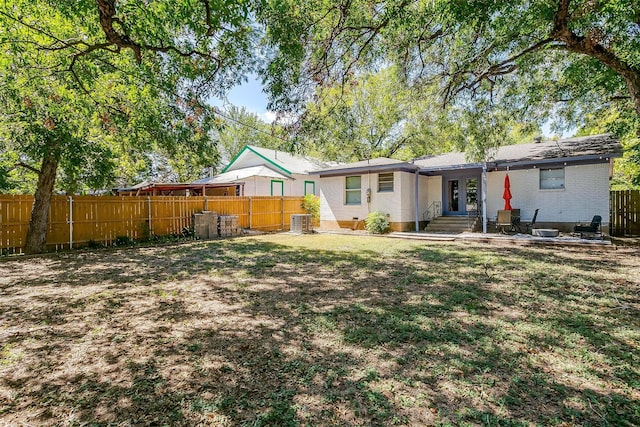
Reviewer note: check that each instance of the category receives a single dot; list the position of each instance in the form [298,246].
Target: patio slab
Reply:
[523,239]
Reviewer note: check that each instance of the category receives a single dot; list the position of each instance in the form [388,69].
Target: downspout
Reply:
[484,198]
[416,201]
[70,222]
[368,192]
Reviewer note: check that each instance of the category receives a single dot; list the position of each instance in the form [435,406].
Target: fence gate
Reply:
[625,213]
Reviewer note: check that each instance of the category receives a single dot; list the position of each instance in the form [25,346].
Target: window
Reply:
[385,182]
[277,188]
[309,187]
[551,178]
[353,195]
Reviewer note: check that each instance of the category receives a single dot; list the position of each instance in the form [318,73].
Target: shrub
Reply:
[92,244]
[377,223]
[123,241]
[311,204]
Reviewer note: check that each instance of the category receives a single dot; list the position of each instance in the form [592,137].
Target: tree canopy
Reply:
[88,88]
[558,59]
[471,46]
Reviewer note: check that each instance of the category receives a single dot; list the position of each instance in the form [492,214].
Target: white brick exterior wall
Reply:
[432,186]
[396,203]
[585,194]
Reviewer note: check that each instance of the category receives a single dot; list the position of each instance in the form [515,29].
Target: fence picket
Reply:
[81,219]
[625,213]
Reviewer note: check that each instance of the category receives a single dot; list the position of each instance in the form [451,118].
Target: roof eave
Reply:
[268,160]
[427,169]
[394,167]
[588,159]
[521,164]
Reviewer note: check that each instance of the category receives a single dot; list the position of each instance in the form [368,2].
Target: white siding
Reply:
[295,187]
[585,194]
[261,186]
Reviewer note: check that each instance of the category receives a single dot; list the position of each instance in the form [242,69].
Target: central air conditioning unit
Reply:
[301,223]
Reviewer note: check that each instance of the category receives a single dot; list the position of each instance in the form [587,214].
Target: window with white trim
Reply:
[385,182]
[353,193]
[551,178]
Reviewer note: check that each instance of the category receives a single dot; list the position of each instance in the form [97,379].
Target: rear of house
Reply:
[567,180]
[349,193]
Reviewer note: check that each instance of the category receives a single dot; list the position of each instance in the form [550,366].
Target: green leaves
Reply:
[99,83]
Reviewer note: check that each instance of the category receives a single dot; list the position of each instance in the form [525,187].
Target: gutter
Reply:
[524,164]
[394,167]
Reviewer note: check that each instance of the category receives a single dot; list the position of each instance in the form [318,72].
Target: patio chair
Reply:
[529,226]
[591,230]
[507,221]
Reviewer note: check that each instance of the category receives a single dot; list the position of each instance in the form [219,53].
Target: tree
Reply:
[241,127]
[377,115]
[526,56]
[84,82]
[626,172]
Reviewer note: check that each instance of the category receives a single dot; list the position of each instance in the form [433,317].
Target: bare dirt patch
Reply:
[321,330]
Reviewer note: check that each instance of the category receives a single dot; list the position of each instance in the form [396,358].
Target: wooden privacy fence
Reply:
[77,220]
[625,213]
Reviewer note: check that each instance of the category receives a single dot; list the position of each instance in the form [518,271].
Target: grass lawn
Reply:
[285,330]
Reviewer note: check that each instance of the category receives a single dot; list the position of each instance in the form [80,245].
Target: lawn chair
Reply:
[508,221]
[592,230]
[529,226]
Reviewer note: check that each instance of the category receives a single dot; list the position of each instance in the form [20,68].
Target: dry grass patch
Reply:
[321,330]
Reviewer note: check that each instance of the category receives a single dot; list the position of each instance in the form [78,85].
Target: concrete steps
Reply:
[452,224]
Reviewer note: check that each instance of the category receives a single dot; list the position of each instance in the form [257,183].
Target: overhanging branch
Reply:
[27,166]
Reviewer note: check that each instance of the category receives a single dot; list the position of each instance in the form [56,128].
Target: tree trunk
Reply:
[37,232]
[633,83]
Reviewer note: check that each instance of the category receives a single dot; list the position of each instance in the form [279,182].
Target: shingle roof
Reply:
[284,161]
[595,145]
[240,174]
[380,164]
[380,161]
[585,149]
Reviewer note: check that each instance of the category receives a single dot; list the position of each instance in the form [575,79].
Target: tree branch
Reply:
[29,167]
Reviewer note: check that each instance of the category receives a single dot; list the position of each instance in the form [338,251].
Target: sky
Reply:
[250,96]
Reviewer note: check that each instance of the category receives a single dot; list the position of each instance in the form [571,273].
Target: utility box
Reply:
[301,223]
[228,226]
[205,225]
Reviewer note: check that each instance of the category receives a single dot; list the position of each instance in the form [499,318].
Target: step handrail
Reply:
[432,211]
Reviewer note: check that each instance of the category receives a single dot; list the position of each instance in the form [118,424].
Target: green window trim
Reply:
[281,182]
[313,183]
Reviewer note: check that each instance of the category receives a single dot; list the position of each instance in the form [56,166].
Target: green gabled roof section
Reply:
[248,148]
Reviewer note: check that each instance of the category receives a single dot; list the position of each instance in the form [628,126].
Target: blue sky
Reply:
[250,96]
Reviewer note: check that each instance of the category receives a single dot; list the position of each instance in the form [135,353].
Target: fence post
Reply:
[250,213]
[149,215]
[70,222]
[282,213]
[206,203]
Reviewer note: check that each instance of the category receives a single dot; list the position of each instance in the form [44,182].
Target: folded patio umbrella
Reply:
[507,193]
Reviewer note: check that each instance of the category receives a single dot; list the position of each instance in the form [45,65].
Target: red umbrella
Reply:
[507,193]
